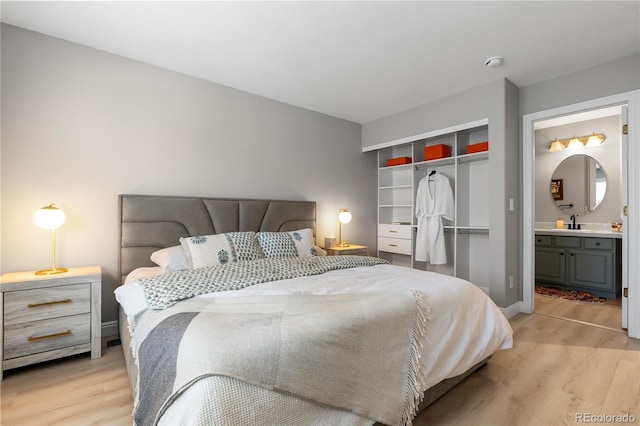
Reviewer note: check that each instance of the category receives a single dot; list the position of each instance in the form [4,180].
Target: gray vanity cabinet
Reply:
[550,261]
[580,263]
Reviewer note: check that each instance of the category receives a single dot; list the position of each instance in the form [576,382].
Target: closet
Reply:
[467,235]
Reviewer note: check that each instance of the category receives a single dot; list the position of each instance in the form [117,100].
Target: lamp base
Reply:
[52,271]
[343,244]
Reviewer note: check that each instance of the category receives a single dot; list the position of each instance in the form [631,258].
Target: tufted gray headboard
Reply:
[152,222]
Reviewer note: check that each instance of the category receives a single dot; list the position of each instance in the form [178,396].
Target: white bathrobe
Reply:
[434,201]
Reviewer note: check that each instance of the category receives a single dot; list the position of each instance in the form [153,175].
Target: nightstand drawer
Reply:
[46,335]
[43,303]
[394,245]
[394,231]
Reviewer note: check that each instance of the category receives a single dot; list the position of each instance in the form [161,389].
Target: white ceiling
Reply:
[358,60]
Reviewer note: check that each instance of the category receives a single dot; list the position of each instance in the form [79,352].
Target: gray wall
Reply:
[497,102]
[603,80]
[608,155]
[80,126]
[505,105]
[608,79]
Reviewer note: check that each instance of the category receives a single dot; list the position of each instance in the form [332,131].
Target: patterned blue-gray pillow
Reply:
[277,244]
[246,245]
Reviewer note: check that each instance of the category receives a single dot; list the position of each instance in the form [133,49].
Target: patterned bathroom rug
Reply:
[572,295]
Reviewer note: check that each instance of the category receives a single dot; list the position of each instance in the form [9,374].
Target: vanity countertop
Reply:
[578,233]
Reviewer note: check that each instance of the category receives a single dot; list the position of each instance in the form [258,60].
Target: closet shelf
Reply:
[467,244]
[398,167]
[396,187]
[476,156]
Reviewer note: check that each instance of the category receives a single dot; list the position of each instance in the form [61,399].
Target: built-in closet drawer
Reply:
[394,245]
[394,231]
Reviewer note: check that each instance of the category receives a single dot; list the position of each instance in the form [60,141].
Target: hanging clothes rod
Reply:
[463,159]
[473,231]
[470,159]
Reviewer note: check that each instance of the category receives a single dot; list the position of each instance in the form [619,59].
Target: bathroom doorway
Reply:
[578,201]
[630,187]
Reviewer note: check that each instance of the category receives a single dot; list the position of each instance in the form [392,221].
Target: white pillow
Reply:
[208,250]
[170,259]
[303,240]
[320,251]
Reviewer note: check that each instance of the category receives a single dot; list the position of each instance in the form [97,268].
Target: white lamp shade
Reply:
[595,140]
[575,143]
[49,217]
[556,146]
[344,216]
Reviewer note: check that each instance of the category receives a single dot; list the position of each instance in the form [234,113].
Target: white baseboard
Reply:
[513,310]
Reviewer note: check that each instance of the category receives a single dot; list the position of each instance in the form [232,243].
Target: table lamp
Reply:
[50,217]
[343,217]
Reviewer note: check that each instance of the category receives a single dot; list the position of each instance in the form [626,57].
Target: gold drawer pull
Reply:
[393,245]
[393,232]
[64,333]
[55,302]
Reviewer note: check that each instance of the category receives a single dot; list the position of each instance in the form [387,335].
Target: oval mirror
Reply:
[578,185]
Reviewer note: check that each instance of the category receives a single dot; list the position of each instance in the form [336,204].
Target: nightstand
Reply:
[351,249]
[44,317]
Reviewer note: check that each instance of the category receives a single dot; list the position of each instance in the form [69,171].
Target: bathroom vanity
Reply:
[580,260]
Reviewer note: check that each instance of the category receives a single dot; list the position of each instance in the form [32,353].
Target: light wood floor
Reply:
[605,315]
[557,369]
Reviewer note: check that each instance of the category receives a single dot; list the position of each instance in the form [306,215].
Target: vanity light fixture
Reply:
[556,146]
[575,143]
[594,139]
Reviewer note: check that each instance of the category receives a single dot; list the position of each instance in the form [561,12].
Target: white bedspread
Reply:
[465,327]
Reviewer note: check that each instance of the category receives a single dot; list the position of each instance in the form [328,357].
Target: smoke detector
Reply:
[494,61]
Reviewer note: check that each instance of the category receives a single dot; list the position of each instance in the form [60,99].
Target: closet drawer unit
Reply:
[394,231]
[46,335]
[598,243]
[394,245]
[543,240]
[44,303]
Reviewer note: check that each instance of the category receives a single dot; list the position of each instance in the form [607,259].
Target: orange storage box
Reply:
[398,161]
[434,152]
[478,147]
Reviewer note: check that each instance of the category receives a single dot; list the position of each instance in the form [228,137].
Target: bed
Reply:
[291,337]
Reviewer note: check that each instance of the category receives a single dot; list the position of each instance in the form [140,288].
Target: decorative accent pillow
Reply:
[320,251]
[277,244]
[208,250]
[246,245]
[170,259]
[303,240]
